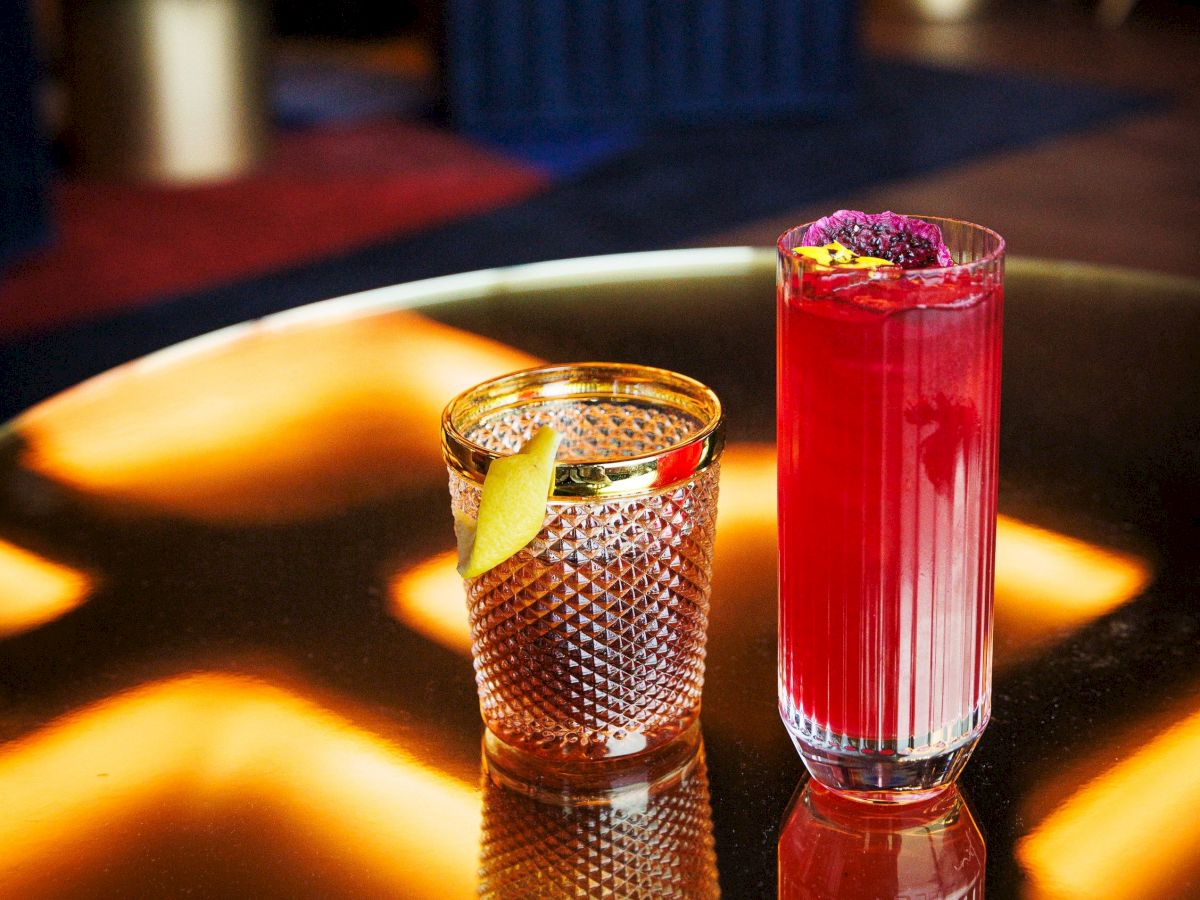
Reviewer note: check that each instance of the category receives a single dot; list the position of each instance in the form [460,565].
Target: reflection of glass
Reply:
[589,642]
[644,838]
[831,847]
[889,391]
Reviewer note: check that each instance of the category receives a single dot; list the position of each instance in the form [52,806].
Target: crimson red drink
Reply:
[888,407]
[835,849]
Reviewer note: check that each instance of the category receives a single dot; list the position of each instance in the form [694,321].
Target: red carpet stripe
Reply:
[322,191]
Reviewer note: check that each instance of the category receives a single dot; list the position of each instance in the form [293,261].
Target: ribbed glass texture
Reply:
[888,406]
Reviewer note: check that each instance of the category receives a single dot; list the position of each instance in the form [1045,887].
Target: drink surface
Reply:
[887,418]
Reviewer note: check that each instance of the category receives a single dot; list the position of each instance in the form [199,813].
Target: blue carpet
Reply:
[671,186]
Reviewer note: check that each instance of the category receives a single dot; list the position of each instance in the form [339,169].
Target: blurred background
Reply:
[168,167]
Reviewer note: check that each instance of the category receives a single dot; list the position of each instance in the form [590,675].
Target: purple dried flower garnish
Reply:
[910,243]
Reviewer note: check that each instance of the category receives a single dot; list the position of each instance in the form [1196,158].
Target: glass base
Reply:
[884,772]
[592,781]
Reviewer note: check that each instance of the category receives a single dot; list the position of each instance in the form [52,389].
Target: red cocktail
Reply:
[888,406]
[834,848]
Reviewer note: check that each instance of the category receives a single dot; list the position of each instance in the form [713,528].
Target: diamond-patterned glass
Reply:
[659,845]
[589,642]
[595,429]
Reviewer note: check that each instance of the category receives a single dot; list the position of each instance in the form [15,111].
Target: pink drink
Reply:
[888,405]
[589,642]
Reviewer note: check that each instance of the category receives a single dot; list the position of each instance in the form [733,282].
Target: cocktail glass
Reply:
[888,408]
[589,643]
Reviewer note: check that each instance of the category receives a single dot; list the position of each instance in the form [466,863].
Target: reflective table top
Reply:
[233,647]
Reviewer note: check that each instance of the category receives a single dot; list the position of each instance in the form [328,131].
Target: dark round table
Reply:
[233,651]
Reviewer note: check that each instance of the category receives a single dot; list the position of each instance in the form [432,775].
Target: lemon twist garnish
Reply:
[835,255]
[512,506]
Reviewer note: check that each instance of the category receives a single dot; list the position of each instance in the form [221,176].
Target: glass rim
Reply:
[989,258]
[576,478]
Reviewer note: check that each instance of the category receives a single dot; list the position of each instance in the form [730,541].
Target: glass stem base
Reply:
[883,772]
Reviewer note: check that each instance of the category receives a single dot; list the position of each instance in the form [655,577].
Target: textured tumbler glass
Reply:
[888,410]
[642,839]
[589,643]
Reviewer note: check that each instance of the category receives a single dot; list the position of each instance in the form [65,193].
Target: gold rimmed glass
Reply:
[589,643]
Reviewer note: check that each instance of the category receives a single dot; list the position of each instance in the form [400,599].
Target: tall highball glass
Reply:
[888,411]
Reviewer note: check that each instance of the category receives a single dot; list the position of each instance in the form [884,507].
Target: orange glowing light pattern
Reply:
[274,424]
[428,598]
[747,497]
[1127,832]
[1045,582]
[74,792]
[1050,579]
[34,590]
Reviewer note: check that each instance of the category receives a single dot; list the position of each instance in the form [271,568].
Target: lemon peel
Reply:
[835,255]
[512,506]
